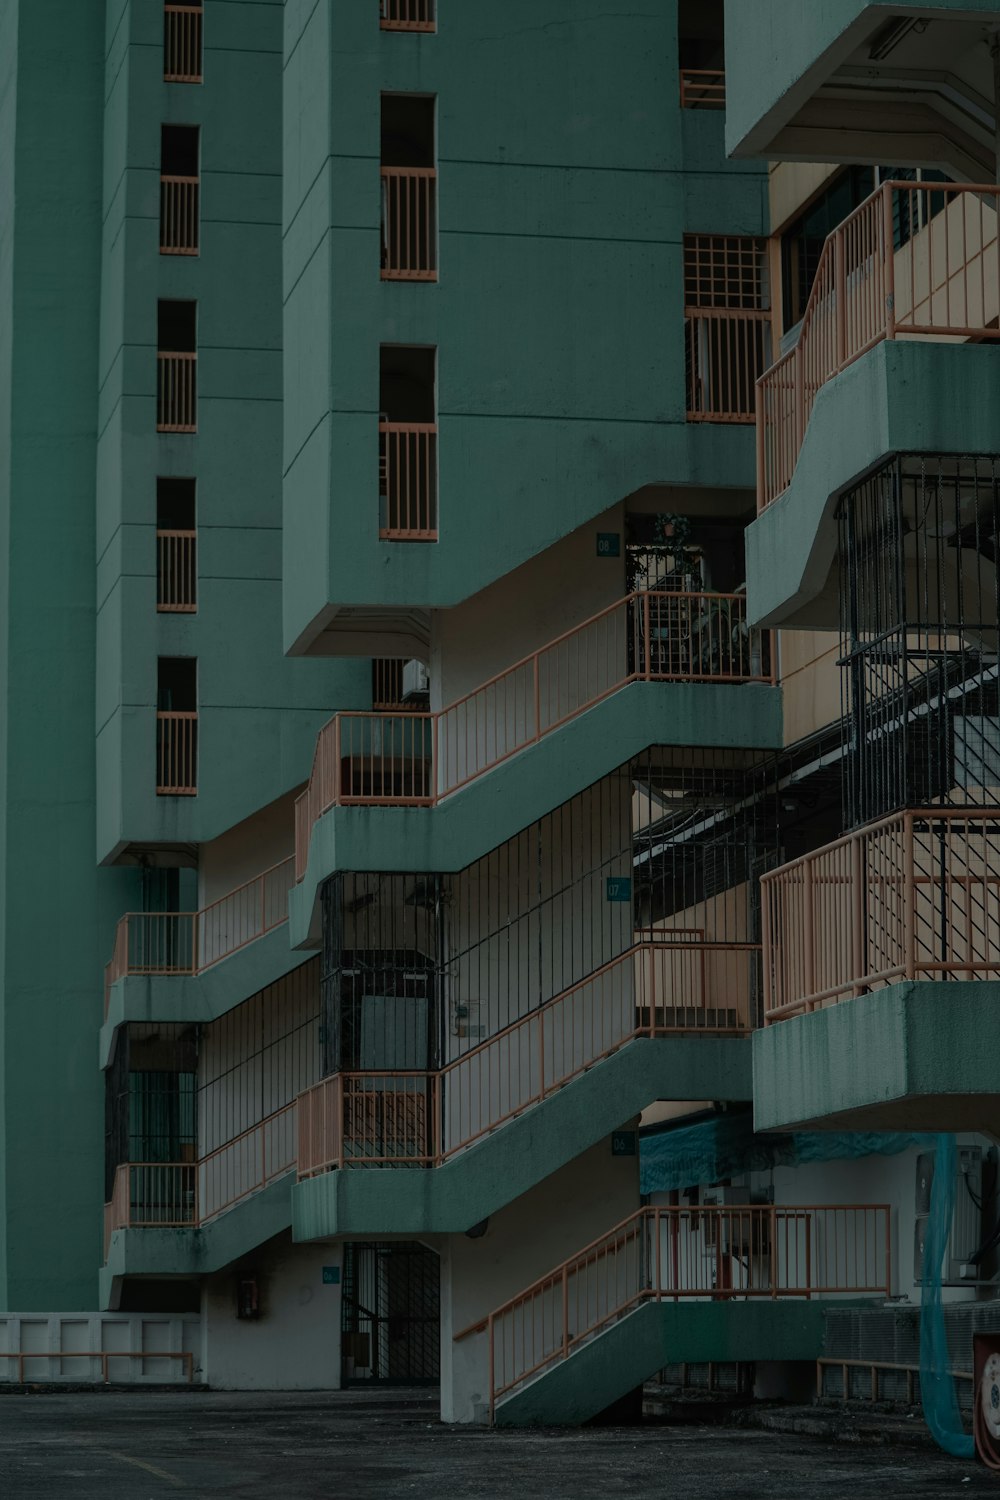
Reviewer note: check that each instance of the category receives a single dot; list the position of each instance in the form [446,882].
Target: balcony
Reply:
[418,759]
[177,753]
[179,215]
[663,1256]
[407,15]
[915,896]
[176,571]
[409,224]
[408,481]
[160,943]
[189,1195]
[703,88]
[425,1118]
[915,261]
[176,392]
[182,43]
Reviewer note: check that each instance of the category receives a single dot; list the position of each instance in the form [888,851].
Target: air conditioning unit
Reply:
[967,1218]
[416,682]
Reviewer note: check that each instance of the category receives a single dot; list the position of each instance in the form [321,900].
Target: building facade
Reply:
[538,697]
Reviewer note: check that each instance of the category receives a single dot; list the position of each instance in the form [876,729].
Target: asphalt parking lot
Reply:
[141,1445]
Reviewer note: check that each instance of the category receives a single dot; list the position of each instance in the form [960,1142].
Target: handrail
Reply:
[417,760]
[709,1252]
[914,260]
[911,896]
[149,942]
[703,88]
[424,1117]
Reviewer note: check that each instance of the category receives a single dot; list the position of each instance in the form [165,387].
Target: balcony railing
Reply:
[182,43]
[914,896]
[414,1118]
[915,260]
[727,350]
[176,753]
[179,219]
[186,1195]
[188,942]
[409,224]
[176,392]
[415,760]
[665,1254]
[176,572]
[408,481]
[407,15]
[703,88]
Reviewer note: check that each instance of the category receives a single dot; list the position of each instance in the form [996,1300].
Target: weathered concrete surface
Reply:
[370,1446]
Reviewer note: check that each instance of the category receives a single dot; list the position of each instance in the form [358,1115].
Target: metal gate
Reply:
[390,1325]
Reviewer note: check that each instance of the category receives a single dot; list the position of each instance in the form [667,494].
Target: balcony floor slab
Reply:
[411,1201]
[913,1056]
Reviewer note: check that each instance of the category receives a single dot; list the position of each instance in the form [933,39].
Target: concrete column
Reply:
[294,1343]
[529,1237]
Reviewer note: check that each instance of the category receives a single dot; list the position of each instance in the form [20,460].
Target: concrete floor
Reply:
[141,1445]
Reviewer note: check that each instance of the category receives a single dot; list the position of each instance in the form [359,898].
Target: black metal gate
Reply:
[390,1322]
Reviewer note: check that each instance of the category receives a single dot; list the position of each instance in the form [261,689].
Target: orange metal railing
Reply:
[182,43]
[913,896]
[409,224]
[179,220]
[176,571]
[186,1195]
[727,351]
[412,1118]
[665,1254]
[107,1358]
[703,88]
[416,760]
[156,942]
[176,392]
[915,260]
[407,15]
[176,752]
[408,481]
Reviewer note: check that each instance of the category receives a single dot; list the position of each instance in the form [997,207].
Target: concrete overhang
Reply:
[863,81]
[913,1056]
[903,396]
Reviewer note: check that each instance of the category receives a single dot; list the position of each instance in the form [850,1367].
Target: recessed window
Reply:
[179,190]
[176,359]
[407,444]
[407,15]
[727,316]
[182,42]
[177,726]
[176,546]
[409,188]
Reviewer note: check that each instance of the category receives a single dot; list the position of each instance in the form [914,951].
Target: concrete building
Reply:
[522,524]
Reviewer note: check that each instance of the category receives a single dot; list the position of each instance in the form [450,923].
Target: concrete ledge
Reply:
[901,397]
[513,794]
[412,1201]
[658,1334]
[200,998]
[197,1252]
[919,1056]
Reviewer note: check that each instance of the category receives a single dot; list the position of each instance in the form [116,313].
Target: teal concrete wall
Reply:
[566,180]
[658,1334]
[901,397]
[362,1202]
[916,1056]
[258,712]
[496,805]
[778,50]
[56,910]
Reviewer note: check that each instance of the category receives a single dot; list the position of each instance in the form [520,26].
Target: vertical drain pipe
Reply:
[995,55]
